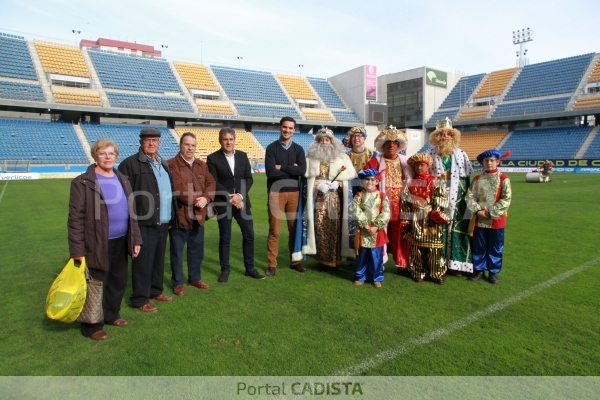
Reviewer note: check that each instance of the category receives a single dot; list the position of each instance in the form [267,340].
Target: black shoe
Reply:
[271,271]
[253,273]
[224,277]
[493,278]
[440,281]
[476,276]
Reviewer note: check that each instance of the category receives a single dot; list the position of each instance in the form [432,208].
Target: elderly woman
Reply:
[102,230]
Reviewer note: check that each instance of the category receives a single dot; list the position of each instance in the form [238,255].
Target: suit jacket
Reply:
[227,183]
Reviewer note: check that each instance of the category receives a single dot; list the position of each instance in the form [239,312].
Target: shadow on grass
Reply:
[55,326]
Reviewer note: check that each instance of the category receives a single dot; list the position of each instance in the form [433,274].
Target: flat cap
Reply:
[149,132]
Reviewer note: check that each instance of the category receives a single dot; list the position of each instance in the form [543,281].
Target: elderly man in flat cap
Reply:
[152,185]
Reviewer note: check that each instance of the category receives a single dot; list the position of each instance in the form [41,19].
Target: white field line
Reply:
[431,336]
[3,189]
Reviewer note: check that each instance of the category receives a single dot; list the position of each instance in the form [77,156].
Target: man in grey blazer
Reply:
[231,170]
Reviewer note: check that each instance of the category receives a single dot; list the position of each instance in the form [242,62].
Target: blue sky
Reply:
[327,37]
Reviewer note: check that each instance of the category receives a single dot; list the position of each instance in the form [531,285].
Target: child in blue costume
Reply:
[371,212]
[488,198]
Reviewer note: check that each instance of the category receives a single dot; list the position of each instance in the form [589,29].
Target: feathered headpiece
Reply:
[493,153]
[371,173]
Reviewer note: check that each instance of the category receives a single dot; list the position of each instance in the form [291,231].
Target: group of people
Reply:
[338,204]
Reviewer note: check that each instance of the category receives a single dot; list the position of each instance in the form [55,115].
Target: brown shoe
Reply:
[270,271]
[377,284]
[178,290]
[99,335]
[163,298]
[119,322]
[199,285]
[298,267]
[359,283]
[147,308]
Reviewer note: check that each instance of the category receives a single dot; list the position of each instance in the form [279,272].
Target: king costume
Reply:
[455,169]
[325,208]
[425,204]
[391,184]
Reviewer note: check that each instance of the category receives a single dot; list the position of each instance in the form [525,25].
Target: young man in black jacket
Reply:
[285,164]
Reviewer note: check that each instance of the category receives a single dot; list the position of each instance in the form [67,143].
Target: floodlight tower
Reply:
[521,37]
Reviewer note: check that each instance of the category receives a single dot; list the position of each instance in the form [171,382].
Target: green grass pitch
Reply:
[319,323]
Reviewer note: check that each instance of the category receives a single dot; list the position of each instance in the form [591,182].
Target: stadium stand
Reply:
[15,59]
[132,72]
[326,93]
[474,143]
[40,142]
[345,116]
[143,102]
[587,102]
[495,83]
[312,114]
[595,75]
[443,114]
[208,142]
[214,108]
[462,91]
[82,98]
[21,91]
[549,78]
[195,76]
[127,138]
[593,151]
[473,113]
[260,110]
[61,59]
[531,107]
[248,85]
[297,87]
[541,143]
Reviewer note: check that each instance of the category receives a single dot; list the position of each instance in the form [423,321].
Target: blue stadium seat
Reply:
[442,114]
[260,110]
[127,138]
[531,107]
[593,150]
[40,142]
[345,116]
[132,72]
[549,78]
[462,91]
[15,60]
[540,143]
[143,102]
[249,85]
[21,91]
[326,93]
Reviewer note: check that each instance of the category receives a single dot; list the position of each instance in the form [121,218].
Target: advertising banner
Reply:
[584,166]
[434,77]
[371,82]
[19,176]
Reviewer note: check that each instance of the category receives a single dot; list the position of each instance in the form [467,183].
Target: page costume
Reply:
[492,190]
[425,204]
[370,208]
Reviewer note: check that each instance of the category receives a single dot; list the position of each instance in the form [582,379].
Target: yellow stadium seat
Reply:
[195,76]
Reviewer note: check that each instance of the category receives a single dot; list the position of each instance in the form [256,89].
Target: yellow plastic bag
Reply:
[67,294]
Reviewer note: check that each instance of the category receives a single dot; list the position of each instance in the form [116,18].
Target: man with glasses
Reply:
[153,191]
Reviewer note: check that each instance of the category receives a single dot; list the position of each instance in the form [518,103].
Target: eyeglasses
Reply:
[106,155]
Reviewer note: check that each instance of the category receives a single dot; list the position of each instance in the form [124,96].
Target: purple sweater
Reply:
[116,203]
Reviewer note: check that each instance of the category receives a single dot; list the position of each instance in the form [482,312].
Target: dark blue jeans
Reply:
[195,253]
[244,220]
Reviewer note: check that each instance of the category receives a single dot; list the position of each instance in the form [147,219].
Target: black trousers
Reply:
[114,283]
[244,220]
[148,268]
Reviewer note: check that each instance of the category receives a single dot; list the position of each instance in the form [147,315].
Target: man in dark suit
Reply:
[231,170]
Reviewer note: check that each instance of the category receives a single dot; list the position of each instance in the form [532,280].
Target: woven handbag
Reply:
[92,312]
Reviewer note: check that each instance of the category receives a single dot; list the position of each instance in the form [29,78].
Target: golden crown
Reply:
[443,123]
